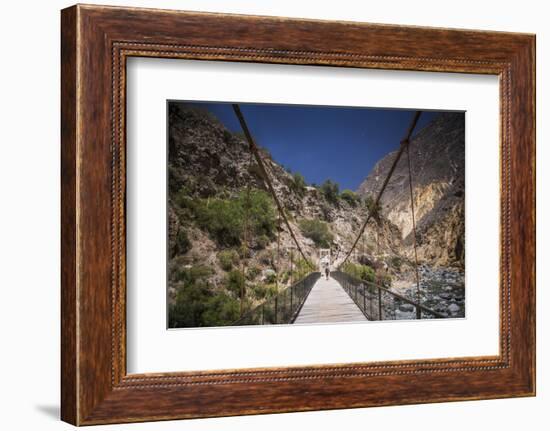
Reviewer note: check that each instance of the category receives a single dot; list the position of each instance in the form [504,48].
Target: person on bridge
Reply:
[327,271]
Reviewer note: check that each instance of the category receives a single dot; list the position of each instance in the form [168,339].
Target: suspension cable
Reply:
[254,149]
[404,144]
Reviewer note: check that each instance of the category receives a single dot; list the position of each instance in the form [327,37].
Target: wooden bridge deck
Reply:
[329,303]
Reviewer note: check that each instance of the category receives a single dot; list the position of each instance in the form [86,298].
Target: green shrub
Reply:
[176,179]
[220,310]
[368,273]
[234,282]
[259,291]
[225,219]
[183,245]
[176,265]
[193,274]
[196,304]
[270,276]
[184,205]
[396,262]
[350,197]
[252,272]
[271,290]
[262,216]
[191,300]
[330,191]
[222,219]
[298,184]
[299,270]
[361,272]
[199,272]
[228,136]
[318,231]
[352,269]
[228,259]
[262,241]
[284,277]
[244,251]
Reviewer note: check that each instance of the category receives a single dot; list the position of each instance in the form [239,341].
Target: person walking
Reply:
[327,271]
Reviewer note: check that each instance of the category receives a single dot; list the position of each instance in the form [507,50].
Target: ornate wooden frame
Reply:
[95,42]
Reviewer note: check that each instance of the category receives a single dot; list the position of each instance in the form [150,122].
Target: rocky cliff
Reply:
[437,167]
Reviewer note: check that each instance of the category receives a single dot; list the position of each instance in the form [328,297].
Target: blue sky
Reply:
[338,143]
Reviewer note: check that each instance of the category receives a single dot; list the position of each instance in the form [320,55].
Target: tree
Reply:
[298,184]
[330,191]
[318,231]
[350,197]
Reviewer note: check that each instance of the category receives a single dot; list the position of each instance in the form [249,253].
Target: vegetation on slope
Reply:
[318,231]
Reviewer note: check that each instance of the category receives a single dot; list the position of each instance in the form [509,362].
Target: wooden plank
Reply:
[328,302]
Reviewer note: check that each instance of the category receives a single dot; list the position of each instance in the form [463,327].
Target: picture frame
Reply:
[96,42]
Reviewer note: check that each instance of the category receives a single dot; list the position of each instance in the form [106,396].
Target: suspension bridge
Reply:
[327,294]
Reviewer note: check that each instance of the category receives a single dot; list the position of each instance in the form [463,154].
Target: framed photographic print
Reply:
[268,215]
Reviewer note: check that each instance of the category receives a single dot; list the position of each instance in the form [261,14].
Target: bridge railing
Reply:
[379,303]
[282,308]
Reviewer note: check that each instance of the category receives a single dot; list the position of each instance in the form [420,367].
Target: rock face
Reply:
[203,154]
[437,166]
